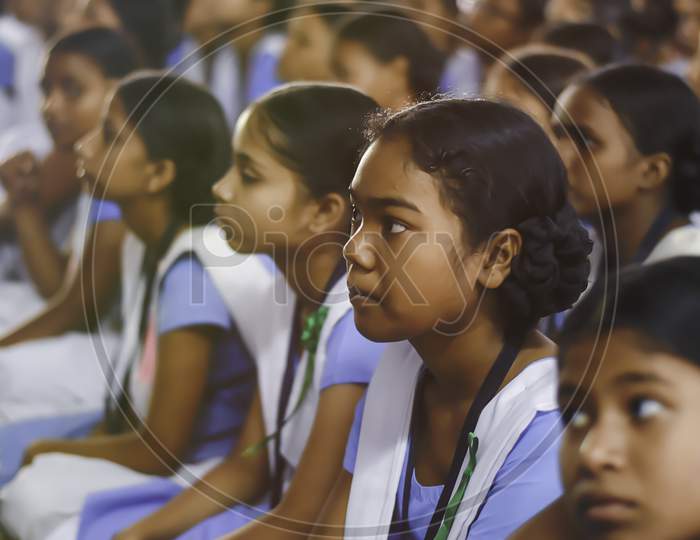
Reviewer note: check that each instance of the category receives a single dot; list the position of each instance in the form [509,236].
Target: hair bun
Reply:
[551,270]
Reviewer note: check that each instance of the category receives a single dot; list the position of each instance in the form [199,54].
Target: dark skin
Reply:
[155,444]
[398,205]
[74,92]
[258,182]
[607,173]
[628,457]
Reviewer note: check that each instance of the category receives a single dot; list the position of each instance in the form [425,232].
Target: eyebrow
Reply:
[382,202]
[243,159]
[638,377]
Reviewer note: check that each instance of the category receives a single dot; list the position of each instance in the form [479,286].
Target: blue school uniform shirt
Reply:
[350,359]
[188,297]
[104,210]
[527,482]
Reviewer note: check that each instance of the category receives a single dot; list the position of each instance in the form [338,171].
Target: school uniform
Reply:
[233,89]
[189,290]
[514,466]
[59,375]
[343,357]
[463,73]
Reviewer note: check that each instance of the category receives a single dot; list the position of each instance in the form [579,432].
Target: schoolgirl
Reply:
[387,56]
[286,196]
[629,386]
[630,138]
[60,375]
[462,240]
[183,378]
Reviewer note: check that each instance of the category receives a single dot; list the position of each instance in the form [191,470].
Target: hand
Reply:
[20,177]
[35,449]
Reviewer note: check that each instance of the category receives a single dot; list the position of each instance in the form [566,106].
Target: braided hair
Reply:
[497,169]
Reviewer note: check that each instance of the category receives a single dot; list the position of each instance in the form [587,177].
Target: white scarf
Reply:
[385,430]
[241,280]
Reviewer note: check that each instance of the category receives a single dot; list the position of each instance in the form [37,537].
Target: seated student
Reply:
[630,138]
[45,207]
[388,57]
[295,151]
[234,48]
[474,194]
[497,26]
[593,40]
[531,78]
[152,27]
[629,454]
[311,30]
[183,378]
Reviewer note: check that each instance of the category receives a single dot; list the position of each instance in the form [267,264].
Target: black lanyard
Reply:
[116,406]
[286,391]
[488,389]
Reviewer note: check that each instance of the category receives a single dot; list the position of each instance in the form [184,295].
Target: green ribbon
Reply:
[456,500]
[310,337]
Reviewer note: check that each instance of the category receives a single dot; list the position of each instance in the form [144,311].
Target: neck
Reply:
[459,364]
[630,224]
[308,270]
[148,219]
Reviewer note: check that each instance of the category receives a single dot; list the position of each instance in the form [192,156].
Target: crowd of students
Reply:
[421,269]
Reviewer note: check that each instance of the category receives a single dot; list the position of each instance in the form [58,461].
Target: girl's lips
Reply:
[360,298]
[603,508]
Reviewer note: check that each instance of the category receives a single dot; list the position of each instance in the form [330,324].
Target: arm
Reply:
[22,177]
[156,446]
[318,469]
[331,521]
[93,285]
[237,478]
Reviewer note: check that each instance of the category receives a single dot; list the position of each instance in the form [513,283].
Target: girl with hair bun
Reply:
[629,389]
[630,138]
[462,239]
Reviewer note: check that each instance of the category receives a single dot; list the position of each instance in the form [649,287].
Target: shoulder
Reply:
[350,357]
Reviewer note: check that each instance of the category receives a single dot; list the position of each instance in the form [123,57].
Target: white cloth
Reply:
[27,46]
[225,79]
[54,376]
[679,242]
[385,430]
[53,489]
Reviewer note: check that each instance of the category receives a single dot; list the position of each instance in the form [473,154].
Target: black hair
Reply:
[108,49]
[592,39]
[545,74]
[659,302]
[388,35]
[317,130]
[532,12]
[661,114]
[497,169]
[182,122]
[656,23]
[152,26]
[331,14]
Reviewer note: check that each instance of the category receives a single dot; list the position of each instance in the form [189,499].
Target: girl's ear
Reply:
[330,215]
[497,258]
[656,170]
[161,175]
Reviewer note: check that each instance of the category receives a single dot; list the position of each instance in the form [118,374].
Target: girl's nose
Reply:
[359,252]
[603,447]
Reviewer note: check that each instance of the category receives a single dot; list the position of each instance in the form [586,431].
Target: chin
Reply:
[376,326]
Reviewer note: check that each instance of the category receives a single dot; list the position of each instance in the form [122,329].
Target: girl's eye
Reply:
[248,178]
[355,216]
[72,90]
[645,408]
[576,419]
[395,227]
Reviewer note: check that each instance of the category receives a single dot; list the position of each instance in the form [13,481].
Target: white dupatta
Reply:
[385,429]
